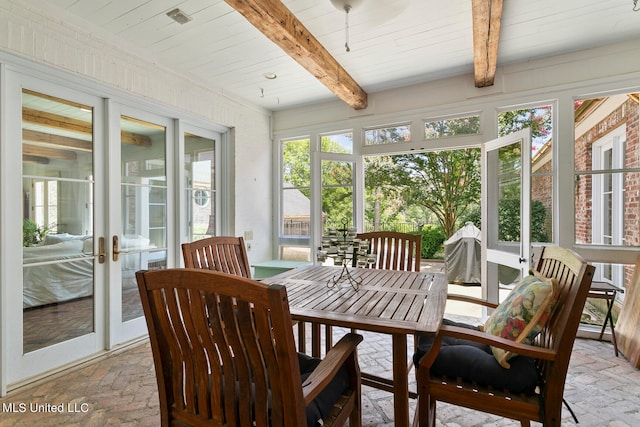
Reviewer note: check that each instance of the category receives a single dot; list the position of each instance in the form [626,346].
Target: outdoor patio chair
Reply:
[394,250]
[494,372]
[224,354]
[226,254]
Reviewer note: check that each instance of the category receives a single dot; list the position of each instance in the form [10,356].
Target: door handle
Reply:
[116,248]
[522,260]
[101,252]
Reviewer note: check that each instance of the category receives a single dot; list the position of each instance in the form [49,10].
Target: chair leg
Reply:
[425,415]
[355,419]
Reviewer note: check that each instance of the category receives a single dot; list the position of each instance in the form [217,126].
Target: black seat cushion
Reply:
[323,404]
[475,362]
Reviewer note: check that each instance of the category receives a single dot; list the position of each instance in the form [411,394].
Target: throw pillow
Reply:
[523,314]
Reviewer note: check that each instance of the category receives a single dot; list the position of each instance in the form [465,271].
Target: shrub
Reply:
[432,239]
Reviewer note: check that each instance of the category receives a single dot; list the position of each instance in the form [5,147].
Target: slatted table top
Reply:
[386,301]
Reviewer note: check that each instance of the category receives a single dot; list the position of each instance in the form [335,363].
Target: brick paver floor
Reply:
[120,390]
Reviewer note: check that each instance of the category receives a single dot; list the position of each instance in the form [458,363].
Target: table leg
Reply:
[400,380]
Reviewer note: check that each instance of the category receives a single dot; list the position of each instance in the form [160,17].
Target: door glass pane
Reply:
[57,229]
[540,120]
[144,207]
[509,189]
[199,172]
[295,191]
[337,194]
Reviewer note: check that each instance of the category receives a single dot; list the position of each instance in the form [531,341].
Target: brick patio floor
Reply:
[120,390]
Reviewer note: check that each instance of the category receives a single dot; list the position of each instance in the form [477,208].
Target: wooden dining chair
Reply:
[394,250]
[224,354]
[226,254]
[468,367]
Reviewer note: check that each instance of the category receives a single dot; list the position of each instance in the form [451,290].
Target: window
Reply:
[295,190]
[387,135]
[607,172]
[201,198]
[337,194]
[466,125]
[337,143]
[45,204]
[607,167]
[199,173]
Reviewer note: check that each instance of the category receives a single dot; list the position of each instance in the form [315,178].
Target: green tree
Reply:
[383,199]
[296,165]
[337,192]
[445,183]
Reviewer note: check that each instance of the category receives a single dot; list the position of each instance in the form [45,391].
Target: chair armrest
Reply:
[484,338]
[472,300]
[329,366]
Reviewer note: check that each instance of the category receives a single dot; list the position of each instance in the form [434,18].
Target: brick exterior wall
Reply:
[542,191]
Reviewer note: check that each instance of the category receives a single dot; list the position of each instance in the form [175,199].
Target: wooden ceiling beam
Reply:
[277,23]
[48,153]
[56,121]
[487,16]
[57,140]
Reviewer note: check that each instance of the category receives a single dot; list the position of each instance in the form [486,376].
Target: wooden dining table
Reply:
[398,303]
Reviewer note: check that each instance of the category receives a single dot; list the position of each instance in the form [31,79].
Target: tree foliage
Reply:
[445,183]
[537,119]
[296,165]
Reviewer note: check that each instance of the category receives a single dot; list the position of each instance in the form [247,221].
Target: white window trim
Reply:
[614,141]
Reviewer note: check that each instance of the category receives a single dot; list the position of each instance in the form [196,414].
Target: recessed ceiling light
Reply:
[179,16]
[270,76]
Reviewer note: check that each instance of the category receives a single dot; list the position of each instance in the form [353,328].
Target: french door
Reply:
[89,206]
[138,201]
[53,262]
[506,187]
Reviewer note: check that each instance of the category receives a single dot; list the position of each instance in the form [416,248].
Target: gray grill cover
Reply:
[462,255]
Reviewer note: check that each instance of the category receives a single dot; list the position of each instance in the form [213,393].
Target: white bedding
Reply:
[63,267]
[56,281]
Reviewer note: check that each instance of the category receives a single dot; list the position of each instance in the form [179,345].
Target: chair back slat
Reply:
[226,254]
[393,250]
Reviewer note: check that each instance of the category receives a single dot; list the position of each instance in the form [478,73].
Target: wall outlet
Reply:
[248,247]
[248,235]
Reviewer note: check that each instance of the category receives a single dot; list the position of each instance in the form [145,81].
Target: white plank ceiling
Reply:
[393,42]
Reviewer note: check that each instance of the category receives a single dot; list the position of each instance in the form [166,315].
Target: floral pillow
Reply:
[523,314]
